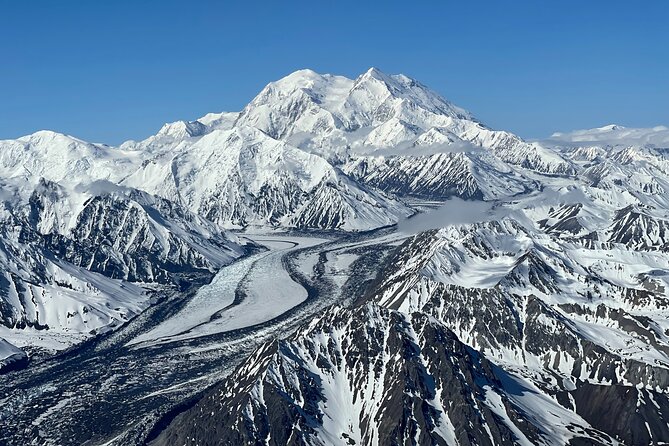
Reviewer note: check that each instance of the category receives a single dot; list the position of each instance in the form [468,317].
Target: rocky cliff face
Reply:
[361,376]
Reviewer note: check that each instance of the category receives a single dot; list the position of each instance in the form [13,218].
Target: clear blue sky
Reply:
[109,71]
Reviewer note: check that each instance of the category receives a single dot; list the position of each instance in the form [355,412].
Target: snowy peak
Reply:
[47,140]
[340,103]
[222,121]
[61,158]
[334,115]
[374,73]
[300,99]
[403,87]
[306,80]
[614,135]
[48,136]
[182,129]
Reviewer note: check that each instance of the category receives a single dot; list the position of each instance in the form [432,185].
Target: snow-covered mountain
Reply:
[77,261]
[395,134]
[310,151]
[74,241]
[347,145]
[370,375]
[500,332]
[538,314]
[241,176]
[543,321]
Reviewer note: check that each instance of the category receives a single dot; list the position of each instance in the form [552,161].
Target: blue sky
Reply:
[111,71]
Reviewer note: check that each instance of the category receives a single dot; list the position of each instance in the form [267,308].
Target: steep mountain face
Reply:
[471,176]
[640,231]
[373,376]
[141,239]
[50,304]
[243,177]
[70,256]
[383,115]
[582,324]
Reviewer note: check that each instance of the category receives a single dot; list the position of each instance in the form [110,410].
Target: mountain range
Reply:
[519,295]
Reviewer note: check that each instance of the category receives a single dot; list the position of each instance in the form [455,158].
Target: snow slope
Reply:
[243,177]
[79,260]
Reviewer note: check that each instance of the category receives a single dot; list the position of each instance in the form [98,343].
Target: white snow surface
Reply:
[267,287]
